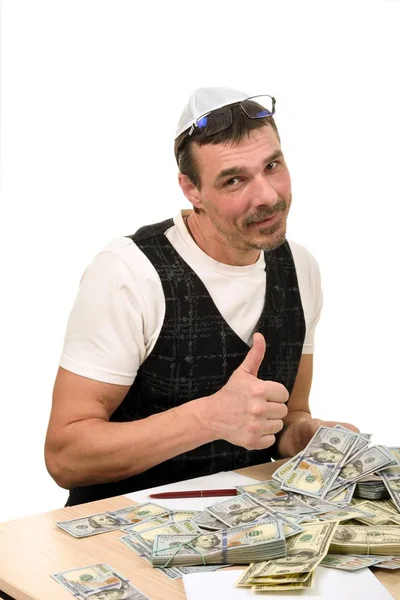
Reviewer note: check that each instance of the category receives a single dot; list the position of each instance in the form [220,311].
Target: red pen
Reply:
[196,494]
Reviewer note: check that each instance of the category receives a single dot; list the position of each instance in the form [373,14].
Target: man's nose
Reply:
[263,192]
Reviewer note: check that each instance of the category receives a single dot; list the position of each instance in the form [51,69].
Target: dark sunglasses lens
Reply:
[216,121]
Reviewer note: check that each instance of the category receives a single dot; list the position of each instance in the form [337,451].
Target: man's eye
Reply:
[231,181]
[275,162]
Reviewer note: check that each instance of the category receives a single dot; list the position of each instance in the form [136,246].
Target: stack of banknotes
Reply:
[324,507]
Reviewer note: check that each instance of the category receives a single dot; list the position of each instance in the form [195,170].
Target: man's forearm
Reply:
[97,451]
[288,442]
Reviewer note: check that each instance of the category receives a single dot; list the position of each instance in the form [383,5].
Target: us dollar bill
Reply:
[361,443]
[392,485]
[348,562]
[206,520]
[284,587]
[319,464]
[239,510]
[365,462]
[263,489]
[98,582]
[342,495]
[93,524]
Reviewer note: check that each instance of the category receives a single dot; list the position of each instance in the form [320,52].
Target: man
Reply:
[157,381]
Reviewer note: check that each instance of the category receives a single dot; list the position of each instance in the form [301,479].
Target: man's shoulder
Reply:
[121,253]
[301,255]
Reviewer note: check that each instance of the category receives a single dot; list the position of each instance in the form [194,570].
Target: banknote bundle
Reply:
[380,540]
[305,552]
[237,545]
[98,582]
[140,537]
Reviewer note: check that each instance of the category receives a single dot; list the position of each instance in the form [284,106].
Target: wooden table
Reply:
[33,547]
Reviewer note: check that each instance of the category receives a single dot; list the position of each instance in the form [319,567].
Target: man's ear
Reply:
[190,190]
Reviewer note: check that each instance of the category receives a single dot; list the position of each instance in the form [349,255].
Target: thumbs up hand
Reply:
[248,411]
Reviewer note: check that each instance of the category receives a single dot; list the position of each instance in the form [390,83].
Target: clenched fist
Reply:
[248,411]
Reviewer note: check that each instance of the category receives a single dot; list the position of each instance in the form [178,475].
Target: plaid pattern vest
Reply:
[196,353]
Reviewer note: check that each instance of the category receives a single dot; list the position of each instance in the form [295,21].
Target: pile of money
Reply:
[335,504]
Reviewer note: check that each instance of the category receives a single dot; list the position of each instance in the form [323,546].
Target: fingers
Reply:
[275,410]
[272,391]
[255,355]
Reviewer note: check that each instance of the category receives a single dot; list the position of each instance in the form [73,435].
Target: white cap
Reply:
[204,100]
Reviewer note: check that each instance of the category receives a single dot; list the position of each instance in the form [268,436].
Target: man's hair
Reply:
[241,127]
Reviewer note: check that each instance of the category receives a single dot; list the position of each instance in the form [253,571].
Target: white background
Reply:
[91,92]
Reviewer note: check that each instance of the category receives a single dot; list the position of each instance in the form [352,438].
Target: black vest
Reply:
[196,353]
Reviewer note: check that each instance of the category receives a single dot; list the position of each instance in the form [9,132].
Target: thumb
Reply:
[254,357]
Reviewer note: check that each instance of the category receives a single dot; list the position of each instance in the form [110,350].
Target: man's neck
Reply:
[214,245]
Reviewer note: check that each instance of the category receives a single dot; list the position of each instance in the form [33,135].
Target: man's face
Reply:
[207,542]
[241,186]
[349,471]
[108,595]
[252,514]
[292,559]
[104,520]
[327,455]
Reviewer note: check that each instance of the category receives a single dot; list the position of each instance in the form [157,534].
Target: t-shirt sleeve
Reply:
[104,339]
[315,305]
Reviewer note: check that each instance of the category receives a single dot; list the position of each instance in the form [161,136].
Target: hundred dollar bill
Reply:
[346,514]
[144,525]
[319,464]
[361,443]
[240,509]
[304,552]
[92,525]
[264,489]
[246,578]
[292,503]
[283,471]
[392,485]
[391,477]
[206,520]
[365,462]
[391,562]
[98,582]
[380,514]
[141,512]
[283,587]
[348,562]
[341,496]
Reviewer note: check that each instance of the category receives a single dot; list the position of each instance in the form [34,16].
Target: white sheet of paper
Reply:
[330,584]
[225,479]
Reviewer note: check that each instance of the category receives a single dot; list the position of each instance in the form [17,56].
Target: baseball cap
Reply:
[204,100]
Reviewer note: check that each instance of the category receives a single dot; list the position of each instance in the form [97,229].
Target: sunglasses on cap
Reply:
[255,107]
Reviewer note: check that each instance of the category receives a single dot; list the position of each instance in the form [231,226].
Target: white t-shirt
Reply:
[120,307]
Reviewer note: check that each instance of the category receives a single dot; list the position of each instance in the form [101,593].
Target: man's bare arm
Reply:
[83,447]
